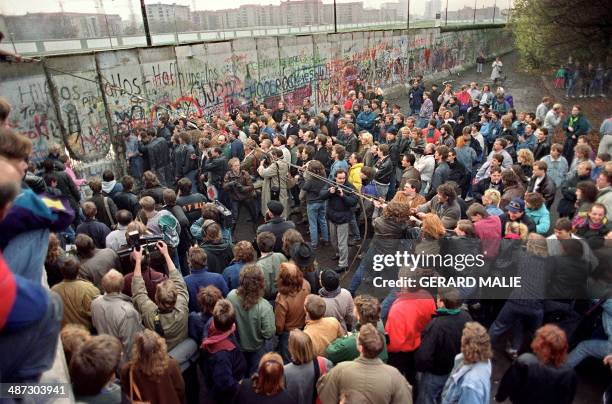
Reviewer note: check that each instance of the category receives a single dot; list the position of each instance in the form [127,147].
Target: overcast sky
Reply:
[122,7]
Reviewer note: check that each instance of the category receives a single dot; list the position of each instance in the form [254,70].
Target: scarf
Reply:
[329,293]
[218,340]
[573,120]
[451,312]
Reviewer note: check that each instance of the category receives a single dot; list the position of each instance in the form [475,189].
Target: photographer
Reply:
[152,266]
[168,314]
[214,166]
[217,213]
[275,181]
[239,187]
[339,213]
[185,159]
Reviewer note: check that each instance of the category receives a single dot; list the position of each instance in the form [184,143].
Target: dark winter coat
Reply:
[277,226]
[481,186]
[547,188]
[384,170]
[441,342]
[219,255]
[339,207]
[527,381]
[128,201]
[238,187]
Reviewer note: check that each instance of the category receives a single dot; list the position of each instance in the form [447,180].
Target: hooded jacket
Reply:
[223,364]
[219,255]
[489,231]
[111,188]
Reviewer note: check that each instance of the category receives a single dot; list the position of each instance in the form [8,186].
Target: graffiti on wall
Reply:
[221,77]
[84,116]
[33,112]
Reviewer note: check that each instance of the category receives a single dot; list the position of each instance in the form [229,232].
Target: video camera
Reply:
[136,241]
[225,215]
[267,159]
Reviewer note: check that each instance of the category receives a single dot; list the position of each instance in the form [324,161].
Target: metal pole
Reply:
[475,1]
[110,38]
[145,22]
[12,37]
[446,14]
[408,20]
[494,7]
[509,10]
[174,17]
[335,19]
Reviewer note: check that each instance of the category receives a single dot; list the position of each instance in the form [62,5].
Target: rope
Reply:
[212,129]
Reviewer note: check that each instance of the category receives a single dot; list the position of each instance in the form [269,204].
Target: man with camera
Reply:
[339,213]
[239,187]
[214,166]
[274,176]
[168,314]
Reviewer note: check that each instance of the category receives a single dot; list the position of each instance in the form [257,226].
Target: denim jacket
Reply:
[468,384]
[557,169]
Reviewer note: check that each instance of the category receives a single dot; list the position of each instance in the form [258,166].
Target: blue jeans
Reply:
[597,348]
[28,352]
[283,346]
[175,258]
[430,388]
[252,358]
[136,167]
[235,208]
[366,262]
[571,88]
[520,319]
[192,175]
[385,306]
[354,227]
[316,219]
[392,186]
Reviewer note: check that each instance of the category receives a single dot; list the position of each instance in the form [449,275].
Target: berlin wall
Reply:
[50,105]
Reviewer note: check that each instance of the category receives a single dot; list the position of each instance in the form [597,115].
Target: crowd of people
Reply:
[156,295]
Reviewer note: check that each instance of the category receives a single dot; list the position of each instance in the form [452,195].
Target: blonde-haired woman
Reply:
[525,159]
[366,140]
[301,374]
[470,379]
[152,375]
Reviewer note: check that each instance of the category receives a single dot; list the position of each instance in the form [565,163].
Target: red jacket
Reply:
[408,317]
[8,291]
[348,104]
[489,232]
[464,97]
[434,139]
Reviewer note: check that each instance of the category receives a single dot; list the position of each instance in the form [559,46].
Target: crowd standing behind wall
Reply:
[89,117]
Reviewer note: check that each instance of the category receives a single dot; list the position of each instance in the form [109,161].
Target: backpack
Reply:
[169,227]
